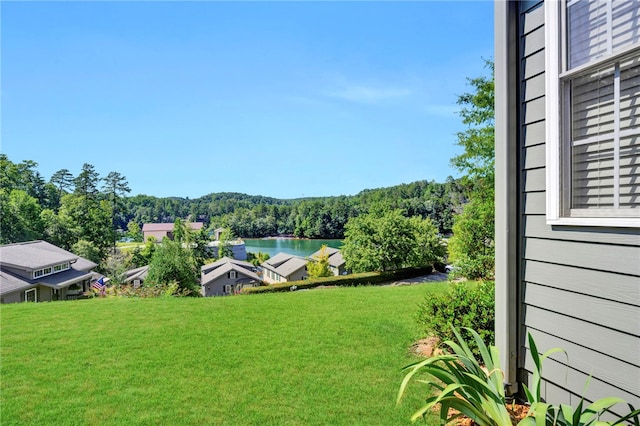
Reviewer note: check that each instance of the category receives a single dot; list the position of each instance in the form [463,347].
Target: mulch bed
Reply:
[516,411]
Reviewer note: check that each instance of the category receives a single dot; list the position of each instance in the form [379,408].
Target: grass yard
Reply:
[325,357]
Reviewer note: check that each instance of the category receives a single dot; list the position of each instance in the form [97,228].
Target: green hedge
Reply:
[467,304]
[351,280]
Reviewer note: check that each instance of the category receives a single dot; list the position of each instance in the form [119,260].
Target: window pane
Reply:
[592,104]
[626,23]
[594,33]
[587,24]
[630,172]
[592,175]
[630,94]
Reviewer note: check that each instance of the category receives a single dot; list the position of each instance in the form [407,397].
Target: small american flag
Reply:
[99,284]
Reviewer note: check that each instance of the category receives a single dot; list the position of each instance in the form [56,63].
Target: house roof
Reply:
[236,242]
[335,256]
[168,227]
[10,283]
[136,273]
[64,279]
[215,270]
[35,255]
[285,264]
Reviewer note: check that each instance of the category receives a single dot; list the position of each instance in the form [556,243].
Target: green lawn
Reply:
[326,357]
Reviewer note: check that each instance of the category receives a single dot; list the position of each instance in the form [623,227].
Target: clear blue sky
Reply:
[281,99]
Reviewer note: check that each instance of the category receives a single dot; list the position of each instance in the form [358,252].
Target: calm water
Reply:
[273,246]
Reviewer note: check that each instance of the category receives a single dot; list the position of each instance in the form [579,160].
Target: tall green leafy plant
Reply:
[462,383]
[477,391]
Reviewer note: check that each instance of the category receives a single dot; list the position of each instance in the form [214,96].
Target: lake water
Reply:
[273,246]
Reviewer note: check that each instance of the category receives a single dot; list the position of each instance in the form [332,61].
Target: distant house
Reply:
[136,277]
[161,230]
[284,267]
[37,271]
[237,247]
[226,276]
[217,232]
[567,155]
[337,264]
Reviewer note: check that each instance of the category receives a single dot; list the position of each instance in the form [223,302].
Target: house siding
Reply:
[216,287]
[578,287]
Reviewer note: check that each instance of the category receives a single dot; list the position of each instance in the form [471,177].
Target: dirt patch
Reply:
[517,412]
[426,347]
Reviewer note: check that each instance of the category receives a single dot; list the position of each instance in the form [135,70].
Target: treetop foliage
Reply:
[477,140]
[472,246]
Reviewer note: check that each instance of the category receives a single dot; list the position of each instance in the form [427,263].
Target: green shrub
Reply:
[466,305]
[352,280]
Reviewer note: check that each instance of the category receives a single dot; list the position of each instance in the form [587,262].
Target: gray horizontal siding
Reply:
[535,226]
[533,42]
[606,313]
[620,288]
[590,387]
[534,87]
[618,374]
[534,180]
[534,203]
[533,133]
[533,65]
[601,339]
[580,286]
[600,257]
[534,110]
[534,157]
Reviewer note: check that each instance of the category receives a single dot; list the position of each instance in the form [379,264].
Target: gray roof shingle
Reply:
[34,255]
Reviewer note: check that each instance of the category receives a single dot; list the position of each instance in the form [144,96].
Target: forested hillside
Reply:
[87,207]
[325,217]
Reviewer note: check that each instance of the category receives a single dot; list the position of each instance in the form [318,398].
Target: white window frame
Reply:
[35,294]
[227,289]
[233,275]
[61,267]
[556,183]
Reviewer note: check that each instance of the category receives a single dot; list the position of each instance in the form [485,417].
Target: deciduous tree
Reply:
[173,263]
[472,246]
[19,217]
[319,265]
[389,240]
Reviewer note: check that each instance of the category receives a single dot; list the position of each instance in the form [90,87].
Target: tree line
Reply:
[68,209]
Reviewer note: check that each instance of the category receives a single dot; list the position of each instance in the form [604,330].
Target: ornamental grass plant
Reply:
[476,390]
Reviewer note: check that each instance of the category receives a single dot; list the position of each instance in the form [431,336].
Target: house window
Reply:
[233,275]
[50,270]
[61,267]
[227,289]
[593,83]
[31,295]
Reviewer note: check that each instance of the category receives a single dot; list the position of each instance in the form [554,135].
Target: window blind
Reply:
[599,28]
[604,104]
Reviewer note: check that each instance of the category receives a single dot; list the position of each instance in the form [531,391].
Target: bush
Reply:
[466,305]
[352,280]
[472,248]
[165,290]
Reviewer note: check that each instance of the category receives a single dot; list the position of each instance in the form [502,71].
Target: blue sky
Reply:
[282,99]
